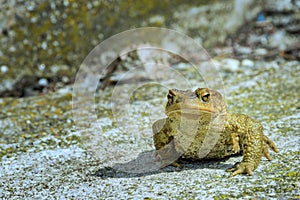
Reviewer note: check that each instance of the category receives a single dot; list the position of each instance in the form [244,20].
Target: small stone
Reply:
[247,63]
[42,67]
[8,84]
[53,19]
[12,49]
[43,82]
[33,20]
[4,69]
[89,6]
[66,3]
[182,66]
[55,43]
[54,69]
[65,79]
[261,51]
[243,50]
[159,20]
[44,45]
[64,90]
[231,64]
[280,40]
[31,7]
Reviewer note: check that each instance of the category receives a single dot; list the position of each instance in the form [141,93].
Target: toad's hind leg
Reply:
[267,143]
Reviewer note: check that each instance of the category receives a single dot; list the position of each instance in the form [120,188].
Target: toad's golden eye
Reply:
[203,93]
[205,97]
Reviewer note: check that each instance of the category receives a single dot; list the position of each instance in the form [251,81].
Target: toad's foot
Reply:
[241,168]
[267,143]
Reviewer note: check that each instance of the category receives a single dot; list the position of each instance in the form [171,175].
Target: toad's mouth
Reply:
[187,109]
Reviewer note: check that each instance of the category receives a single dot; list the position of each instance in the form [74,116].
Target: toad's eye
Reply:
[205,97]
[203,93]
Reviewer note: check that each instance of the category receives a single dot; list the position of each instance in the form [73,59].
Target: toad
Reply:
[198,127]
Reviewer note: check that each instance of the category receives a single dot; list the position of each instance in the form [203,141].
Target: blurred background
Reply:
[43,43]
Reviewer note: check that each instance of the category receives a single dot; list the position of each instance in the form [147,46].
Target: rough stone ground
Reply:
[44,156]
[52,167]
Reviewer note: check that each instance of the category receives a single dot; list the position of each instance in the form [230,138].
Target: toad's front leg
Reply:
[165,153]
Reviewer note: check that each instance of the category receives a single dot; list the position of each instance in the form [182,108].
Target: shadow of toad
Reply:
[145,165]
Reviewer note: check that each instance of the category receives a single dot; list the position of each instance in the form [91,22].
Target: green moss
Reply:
[223,196]
[39,123]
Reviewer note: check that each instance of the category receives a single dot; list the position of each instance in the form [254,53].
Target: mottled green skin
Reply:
[198,127]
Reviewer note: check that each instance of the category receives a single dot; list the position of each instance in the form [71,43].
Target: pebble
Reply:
[243,50]
[4,69]
[12,49]
[247,63]
[64,90]
[157,20]
[7,84]
[44,45]
[54,69]
[261,51]
[42,67]
[66,3]
[231,64]
[280,40]
[43,82]
[65,79]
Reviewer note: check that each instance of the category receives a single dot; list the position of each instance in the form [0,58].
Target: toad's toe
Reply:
[241,168]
